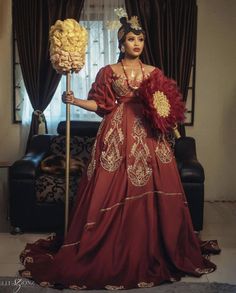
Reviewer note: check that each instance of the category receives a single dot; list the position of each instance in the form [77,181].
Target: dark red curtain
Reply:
[32,22]
[170,27]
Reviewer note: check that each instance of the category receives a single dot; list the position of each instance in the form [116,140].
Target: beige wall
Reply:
[9,132]
[215,114]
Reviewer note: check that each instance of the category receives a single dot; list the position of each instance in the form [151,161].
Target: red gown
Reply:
[130,225]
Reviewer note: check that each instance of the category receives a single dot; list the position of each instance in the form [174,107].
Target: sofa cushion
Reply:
[79,146]
[51,188]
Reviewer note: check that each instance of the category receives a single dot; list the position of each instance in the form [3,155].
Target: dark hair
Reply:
[121,56]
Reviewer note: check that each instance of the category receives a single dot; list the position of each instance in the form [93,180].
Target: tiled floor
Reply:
[220,219]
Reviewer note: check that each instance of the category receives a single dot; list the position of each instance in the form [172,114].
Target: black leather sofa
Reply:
[29,211]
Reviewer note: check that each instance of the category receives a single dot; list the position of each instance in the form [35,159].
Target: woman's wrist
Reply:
[75,101]
[89,105]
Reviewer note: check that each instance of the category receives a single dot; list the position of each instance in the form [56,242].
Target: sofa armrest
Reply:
[29,165]
[185,149]
[189,167]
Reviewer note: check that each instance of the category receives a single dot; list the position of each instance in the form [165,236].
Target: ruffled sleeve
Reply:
[101,92]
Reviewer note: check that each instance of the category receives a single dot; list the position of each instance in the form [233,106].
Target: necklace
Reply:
[132,83]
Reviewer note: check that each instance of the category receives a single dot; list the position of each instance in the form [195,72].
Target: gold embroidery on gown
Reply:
[145,285]
[76,287]
[28,259]
[163,151]
[26,274]
[92,164]
[101,126]
[45,284]
[113,287]
[139,172]
[204,271]
[120,86]
[111,158]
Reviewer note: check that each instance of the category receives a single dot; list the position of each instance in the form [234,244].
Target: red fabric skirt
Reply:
[130,225]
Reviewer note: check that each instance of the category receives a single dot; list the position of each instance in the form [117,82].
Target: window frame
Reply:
[16,120]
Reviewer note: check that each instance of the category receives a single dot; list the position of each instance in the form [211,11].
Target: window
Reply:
[102,50]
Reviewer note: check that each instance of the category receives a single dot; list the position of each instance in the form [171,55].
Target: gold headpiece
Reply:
[134,23]
[124,24]
[120,12]
[128,25]
[115,24]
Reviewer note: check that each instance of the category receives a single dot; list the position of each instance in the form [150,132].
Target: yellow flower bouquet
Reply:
[68,41]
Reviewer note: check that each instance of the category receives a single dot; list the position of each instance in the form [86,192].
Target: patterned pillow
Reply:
[51,188]
[50,185]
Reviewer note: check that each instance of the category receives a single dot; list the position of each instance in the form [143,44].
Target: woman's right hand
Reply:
[68,98]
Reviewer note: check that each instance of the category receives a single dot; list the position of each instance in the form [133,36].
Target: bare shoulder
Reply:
[148,68]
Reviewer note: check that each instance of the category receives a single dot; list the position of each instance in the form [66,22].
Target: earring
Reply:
[122,49]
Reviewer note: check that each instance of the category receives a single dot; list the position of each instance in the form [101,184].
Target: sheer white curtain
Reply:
[102,50]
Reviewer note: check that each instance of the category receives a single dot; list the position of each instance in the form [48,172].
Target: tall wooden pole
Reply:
[67,172]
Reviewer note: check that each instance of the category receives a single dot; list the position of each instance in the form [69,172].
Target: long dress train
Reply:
[130,225]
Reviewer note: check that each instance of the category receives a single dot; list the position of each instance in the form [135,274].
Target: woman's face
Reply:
[133,44]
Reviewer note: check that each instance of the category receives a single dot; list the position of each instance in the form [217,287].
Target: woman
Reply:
[130,226]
